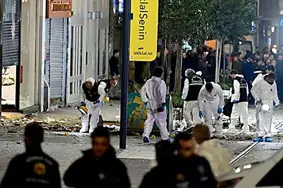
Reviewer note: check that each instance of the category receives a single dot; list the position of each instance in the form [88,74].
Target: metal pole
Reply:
[125,68]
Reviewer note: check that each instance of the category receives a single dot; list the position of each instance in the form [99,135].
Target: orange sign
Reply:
[59,8]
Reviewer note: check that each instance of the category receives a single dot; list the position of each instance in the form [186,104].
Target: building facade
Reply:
[269,23]
[89,45]
[18,55]
[49,48]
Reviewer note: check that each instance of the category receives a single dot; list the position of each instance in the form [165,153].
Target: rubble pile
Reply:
[70,125]
[49,124]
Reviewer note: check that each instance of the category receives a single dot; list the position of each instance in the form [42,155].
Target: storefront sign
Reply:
[59,8]
[143,38]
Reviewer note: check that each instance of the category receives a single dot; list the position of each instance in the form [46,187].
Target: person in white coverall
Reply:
[265,94]
[93,98]
[88,84]
[193,84]
[217,155]
[259,76]
[211,102]
[153,94]
[239,98]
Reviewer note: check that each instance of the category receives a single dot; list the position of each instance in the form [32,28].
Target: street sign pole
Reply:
[125,68]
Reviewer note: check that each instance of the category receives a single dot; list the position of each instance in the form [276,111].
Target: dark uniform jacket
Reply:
[195,84]
[32,170]
[114,66]
[93,94]
[194,172]
[243,89]
[89,172]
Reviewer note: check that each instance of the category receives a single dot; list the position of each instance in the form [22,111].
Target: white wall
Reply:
[28,89]
[94,42]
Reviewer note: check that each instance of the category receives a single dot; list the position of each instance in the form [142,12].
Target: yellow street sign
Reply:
[143,37]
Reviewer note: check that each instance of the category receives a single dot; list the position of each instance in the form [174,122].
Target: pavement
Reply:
[110,112]
[138,157]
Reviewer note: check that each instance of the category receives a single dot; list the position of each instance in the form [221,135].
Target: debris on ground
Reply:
[50,124]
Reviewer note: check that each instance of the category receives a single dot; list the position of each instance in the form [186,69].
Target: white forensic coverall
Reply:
[239,109]
[191,112]
[154,94]
[258,107]
[267,94]
[92,117]
[85,118]
[217,156]
[209,104]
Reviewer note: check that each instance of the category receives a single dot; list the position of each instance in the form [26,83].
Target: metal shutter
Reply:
[11,32]
[47,51]
[55,56]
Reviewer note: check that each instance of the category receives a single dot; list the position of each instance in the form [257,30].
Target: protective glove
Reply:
[201,114]
[276,107]
[98,103]
[219,110]
[83,103]
[161,108]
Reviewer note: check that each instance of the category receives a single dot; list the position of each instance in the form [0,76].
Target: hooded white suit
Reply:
[209,102]
[267,94]
[154,94]
[258,107]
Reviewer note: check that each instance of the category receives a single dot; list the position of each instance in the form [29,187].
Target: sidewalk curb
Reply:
[65,133]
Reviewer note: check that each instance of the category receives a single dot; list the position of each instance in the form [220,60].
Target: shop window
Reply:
[71,51]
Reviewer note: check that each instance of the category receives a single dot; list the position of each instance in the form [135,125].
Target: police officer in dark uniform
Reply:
[191,170]
[183,170]
[34,168]
[98,167]
[193,84]
[239,99]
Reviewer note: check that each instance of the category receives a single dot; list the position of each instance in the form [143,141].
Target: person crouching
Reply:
[93,98]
